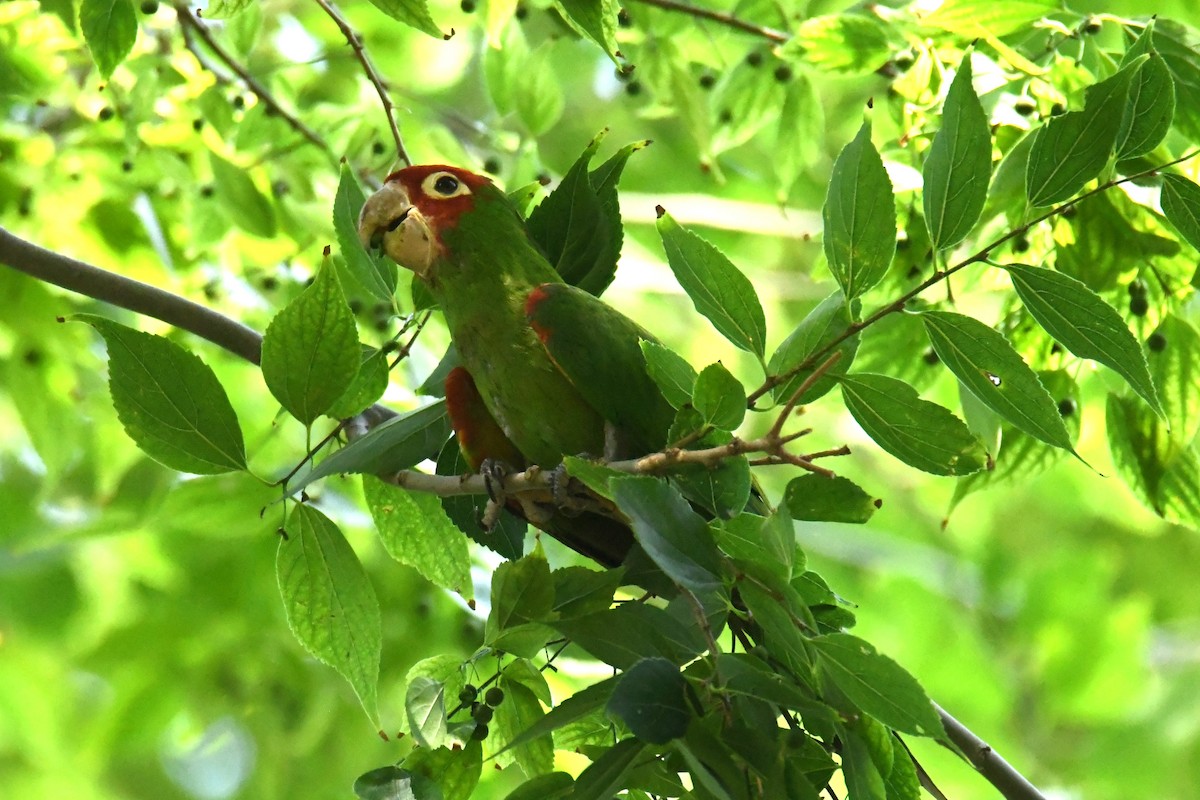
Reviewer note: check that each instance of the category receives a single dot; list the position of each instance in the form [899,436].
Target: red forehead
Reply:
[442,212]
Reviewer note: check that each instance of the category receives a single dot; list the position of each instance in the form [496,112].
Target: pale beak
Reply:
[391,224]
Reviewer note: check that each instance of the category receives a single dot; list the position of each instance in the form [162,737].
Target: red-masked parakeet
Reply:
[548,370]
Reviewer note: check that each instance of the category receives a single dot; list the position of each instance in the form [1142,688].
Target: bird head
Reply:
[407,217]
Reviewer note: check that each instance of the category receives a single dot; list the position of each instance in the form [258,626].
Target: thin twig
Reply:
[190,24]
[373,76]
[991,765]
[727,20]
[981,256]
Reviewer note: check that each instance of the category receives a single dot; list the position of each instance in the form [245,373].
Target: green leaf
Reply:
[673,374]
[399,443]
[722,490]
[518,713]
[539,95]
[555,786]
[225,9]
[919,433]
[425,705]
[606,775]
[720,398]
[627,633]
[414,13]
[1175,366]
[851,43]
[595,20]
[778,614]
[579,590]
[576,707]
[522,593]
[1109,233]
[876,684]
[110,29]
[368,385]
[241,200]
[991,370]
[1176,43]
[454,771]
[718,289]
[766,544]
[1071,149]
[1181,204]
[959,164]
[971,18]
[416,531]
[650,700]
[1084,324]
[330,605]
[862,774]
[860,217]
[393,783]
[837,499]
[832,317]
[1164,474]
[310,352]
[170,402]
[1150,107]
[675,537]
[377,276]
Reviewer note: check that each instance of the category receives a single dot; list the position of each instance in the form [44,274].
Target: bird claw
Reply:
[494,472]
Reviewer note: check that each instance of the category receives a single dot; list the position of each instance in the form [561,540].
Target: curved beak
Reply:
[384,212]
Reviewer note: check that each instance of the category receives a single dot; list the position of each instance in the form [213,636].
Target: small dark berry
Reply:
[930,357]
[197,125]
[754,58]
[903,242]
[633,88]
[1137,288]
[1157,342]
[492,166]
[1056,109]
[468,694]
[149,7]
[1055,349]
[1092,26]
[1139,305]
[622,75]
[377,148]
[1024,106]
[467,6]
[1020,243]
[494,696]
[543,178]
[280,187]
[239,102]
[106,114]
[726,116]
[127,166]
[1069,212]
[708,80]
[903,60]
[356,306]
[623,18]
[309,281]
[482,714]
[783,73]
[1066,407]
[269,283]
[480,733]
[32,357]
[521,12]
[383,325]
[391,347]
[206,191]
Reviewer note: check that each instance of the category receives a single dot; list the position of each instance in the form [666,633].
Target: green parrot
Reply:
[548,370]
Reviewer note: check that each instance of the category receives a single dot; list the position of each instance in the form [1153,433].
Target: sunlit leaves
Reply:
[330,604]
[918,432]
[310,351]
[595,19]
[1151,105]
[110,29]
[170,402]
[959,164]
[1181,204]
[539,97]
[850,43]
[376,275]
[1084,324]
[720,291]
[414,13]
[830,320]
[971,18]
[241,200]
[988,366]
[830,499]
[860,217]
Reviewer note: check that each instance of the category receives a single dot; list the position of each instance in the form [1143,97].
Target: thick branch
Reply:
[190,24]
[991,765]
[728,20]
[373,76]
[127,293]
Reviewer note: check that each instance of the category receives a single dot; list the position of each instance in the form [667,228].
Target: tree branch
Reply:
[991,765]
[727,20]
[389,108]
[127,293]
[190,24]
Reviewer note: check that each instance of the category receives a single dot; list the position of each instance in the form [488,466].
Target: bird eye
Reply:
[444,185]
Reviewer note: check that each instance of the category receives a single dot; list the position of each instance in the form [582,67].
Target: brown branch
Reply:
[990,764]
[373,76]
[727,20]
[940,275]
[190,24]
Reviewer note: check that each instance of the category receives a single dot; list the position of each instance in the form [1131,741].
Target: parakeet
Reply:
[547,370]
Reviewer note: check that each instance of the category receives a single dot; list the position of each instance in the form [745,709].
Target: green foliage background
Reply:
[144,651]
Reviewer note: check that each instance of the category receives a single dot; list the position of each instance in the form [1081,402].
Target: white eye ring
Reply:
[444,185]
